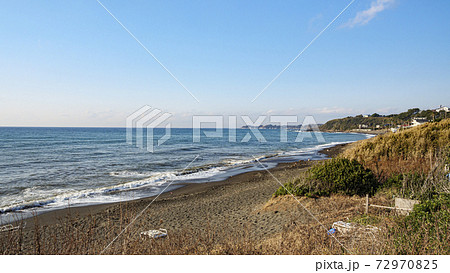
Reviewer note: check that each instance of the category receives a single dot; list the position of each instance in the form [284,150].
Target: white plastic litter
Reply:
[154,234]
[343,227]
[8,228]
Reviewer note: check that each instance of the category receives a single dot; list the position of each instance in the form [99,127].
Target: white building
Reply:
[442,108]
[418,121]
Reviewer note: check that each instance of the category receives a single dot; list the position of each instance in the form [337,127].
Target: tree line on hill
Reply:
[377,121]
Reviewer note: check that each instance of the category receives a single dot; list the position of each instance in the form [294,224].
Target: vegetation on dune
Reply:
[413,163]
[334,176]
[418,142]
[419,185]
[412,160]
[344,176]
[425,231]
[410,164]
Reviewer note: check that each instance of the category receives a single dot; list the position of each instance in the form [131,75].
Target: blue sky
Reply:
[69,63]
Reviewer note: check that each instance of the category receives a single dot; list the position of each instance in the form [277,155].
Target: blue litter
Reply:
[331,231]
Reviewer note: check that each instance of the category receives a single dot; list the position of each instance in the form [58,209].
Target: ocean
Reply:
[43,169]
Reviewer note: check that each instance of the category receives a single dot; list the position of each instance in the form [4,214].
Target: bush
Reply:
[422,186]
[344,176]
[408,185]
[425,230]
[288,188]
[333,176]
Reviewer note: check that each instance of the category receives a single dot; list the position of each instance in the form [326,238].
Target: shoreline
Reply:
[359,131]
[187,189]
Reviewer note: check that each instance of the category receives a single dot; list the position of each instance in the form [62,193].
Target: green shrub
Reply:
[289,188]
[427,210]
[408,185]
[365,219]
[425,230]
[333,176]
[343,176]
[395,181]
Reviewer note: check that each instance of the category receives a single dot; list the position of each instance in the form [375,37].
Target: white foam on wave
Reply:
[239,162]
[313,149]
[127,174]
[199,175]
[61,197]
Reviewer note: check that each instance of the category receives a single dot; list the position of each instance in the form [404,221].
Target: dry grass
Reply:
[418,142]
[412,150]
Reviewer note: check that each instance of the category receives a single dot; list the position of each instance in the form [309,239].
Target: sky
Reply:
[70,63]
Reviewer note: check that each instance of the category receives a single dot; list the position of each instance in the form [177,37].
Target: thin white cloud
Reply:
[364,17]
[315,23]
[333,110]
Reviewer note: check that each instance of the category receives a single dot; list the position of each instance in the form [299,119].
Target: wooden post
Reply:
[367,204]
